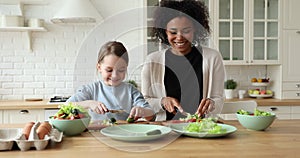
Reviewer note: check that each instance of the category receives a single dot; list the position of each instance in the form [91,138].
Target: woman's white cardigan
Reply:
[153,87]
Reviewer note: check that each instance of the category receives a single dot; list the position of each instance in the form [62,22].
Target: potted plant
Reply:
[229,86]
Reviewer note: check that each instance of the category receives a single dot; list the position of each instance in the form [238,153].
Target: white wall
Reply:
[64,57]
[54,65]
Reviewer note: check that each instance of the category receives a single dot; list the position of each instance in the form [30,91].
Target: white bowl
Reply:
[257,123]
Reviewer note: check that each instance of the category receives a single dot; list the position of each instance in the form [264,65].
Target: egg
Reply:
[27,129]
[43,130]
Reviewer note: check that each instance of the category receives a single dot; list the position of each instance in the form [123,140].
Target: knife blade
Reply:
[116,111]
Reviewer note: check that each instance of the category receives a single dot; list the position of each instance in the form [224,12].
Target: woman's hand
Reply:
[140,112]
[206,105]
[170,103]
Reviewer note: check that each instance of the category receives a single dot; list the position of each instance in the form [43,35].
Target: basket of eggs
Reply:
[37,134]
[33,135]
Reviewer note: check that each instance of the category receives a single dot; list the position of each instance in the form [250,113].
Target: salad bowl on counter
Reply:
[70,119]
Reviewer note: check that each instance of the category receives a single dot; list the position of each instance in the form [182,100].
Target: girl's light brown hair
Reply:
[115,48]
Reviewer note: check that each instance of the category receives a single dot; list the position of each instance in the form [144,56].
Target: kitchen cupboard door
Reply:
[23,116]
[232,31]
[248,31]
[291,55]
[291,13]
[282,112]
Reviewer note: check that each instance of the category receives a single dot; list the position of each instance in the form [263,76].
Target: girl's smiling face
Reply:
[180,32]
[112,69]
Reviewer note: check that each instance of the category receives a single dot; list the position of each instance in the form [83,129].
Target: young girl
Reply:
[111,93]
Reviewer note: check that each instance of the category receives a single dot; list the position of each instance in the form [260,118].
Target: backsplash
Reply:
[63,57]
[244,74]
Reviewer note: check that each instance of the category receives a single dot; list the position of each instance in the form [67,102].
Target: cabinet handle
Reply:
[24,112]
[297,85]
[297,94]
[298,32]
[273,108]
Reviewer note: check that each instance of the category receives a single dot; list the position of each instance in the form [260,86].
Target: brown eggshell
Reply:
[42,131]
[47,125]
[27,129]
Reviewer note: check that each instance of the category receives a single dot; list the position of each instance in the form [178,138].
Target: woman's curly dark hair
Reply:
[170,9]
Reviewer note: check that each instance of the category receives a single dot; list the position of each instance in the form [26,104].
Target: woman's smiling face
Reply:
[180,32]
[113,70]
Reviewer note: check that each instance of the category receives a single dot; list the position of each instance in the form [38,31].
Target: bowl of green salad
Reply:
[70,119]
[258,120]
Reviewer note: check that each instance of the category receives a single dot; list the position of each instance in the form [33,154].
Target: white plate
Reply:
[179,127]
[261,96]
[134,132]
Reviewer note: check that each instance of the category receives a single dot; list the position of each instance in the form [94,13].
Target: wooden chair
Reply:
[230,108]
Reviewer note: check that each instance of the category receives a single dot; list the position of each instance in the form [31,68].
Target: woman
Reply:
[185,76]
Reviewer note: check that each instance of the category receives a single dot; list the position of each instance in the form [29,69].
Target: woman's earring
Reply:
[195,43]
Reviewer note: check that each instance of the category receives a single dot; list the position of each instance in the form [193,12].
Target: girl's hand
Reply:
[207,105]
[140,112]
[96,106]
[170,103]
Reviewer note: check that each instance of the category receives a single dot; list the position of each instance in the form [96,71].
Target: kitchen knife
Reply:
[116,111]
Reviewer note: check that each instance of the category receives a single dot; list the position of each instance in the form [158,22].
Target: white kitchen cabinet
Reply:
[248,31]
[295,114]
[291,90]
[291,47]
[291,64]
[291,13]
[1,116]
[282,112]
[23,116]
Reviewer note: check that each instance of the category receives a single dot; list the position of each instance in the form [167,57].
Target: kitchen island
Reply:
[44,104]
[280,140]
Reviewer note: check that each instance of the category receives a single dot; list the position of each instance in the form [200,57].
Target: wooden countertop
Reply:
[22,104]
[280,140]
[270,101]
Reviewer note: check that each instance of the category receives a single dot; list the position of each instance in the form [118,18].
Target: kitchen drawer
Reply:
[23,116]
[291,86]
[295,114]
[291,94]
[295,109]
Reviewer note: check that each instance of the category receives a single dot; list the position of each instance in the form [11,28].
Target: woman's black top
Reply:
[184,80]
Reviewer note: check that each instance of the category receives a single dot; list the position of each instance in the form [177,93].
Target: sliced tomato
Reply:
[192,120]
